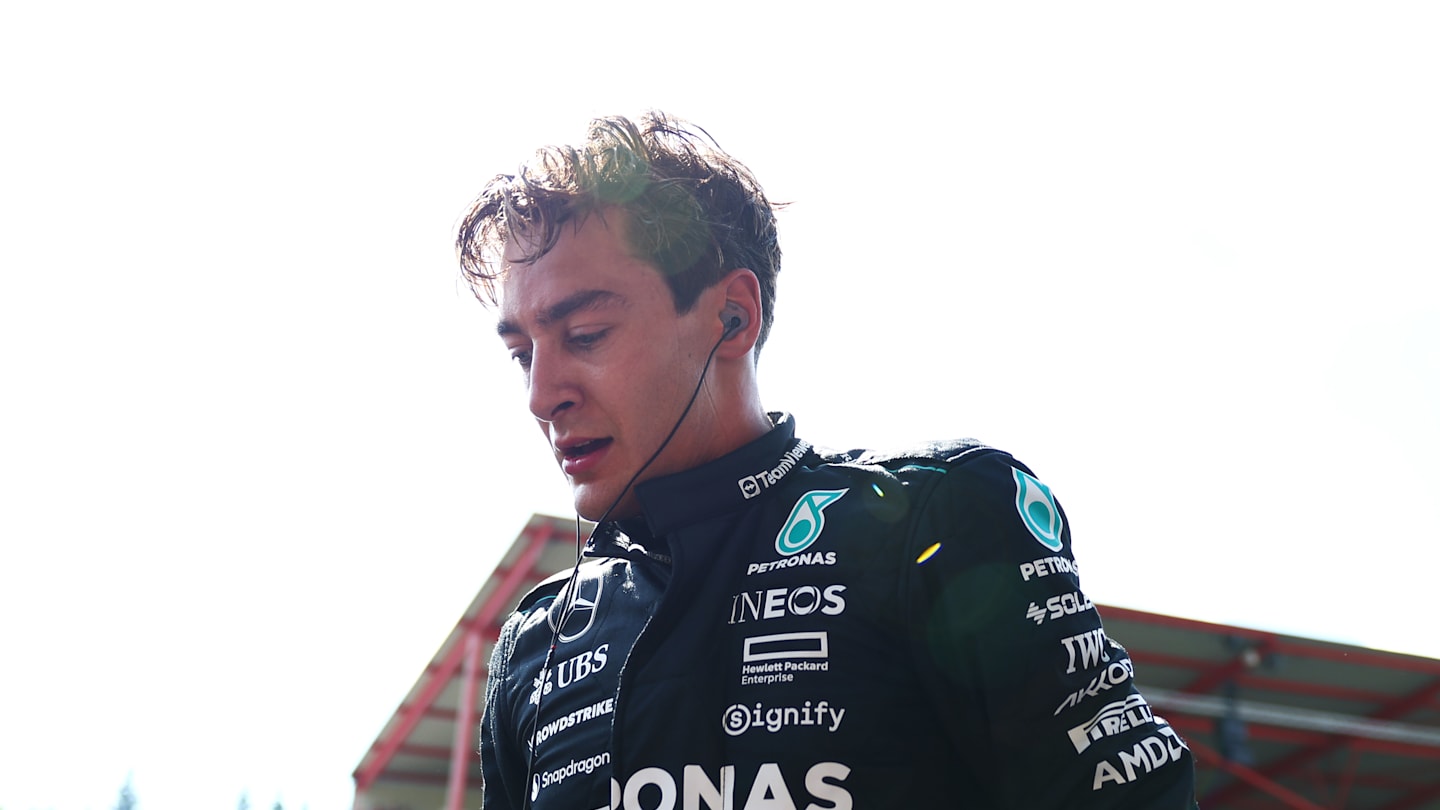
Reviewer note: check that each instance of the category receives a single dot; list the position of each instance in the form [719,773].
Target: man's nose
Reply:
[552,388]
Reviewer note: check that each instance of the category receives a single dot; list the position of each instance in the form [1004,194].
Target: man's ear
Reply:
[740,313]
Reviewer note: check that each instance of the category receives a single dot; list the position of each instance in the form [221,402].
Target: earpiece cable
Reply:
[569,606]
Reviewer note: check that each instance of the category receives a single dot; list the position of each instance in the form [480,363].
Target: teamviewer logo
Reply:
[750,486]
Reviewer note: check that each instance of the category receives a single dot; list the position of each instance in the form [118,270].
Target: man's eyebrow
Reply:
[570,304]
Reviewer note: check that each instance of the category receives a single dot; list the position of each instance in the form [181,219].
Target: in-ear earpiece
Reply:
[734,321]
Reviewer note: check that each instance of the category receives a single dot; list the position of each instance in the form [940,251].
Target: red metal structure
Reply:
[1281,721]
[1275,721]
[429,743]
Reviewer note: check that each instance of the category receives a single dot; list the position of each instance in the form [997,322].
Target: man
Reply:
[758,624]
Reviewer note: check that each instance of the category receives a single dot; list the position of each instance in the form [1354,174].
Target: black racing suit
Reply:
[795,631]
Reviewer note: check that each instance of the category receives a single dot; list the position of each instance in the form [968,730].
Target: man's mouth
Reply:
[576,451]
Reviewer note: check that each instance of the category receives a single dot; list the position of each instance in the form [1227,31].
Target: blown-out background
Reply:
[259,446]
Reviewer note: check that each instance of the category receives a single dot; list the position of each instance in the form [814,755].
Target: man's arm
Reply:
[1042,705]
[499,760]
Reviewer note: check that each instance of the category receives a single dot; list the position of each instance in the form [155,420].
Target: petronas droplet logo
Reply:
[806,521]
[1038,510]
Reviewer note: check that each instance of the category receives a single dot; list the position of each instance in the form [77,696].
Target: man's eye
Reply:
[585,340]
[522,358]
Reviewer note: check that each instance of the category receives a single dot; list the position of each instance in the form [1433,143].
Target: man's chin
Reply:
[592,501]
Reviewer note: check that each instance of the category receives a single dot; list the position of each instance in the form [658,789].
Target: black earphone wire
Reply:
[731,327]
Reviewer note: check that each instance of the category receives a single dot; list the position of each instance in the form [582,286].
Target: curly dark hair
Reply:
[690,208]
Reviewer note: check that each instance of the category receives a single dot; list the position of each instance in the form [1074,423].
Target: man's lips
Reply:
[580,456]
[574,448]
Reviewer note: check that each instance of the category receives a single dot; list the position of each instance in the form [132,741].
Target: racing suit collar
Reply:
[724,484]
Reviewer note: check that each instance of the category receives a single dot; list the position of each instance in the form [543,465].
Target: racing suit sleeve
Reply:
[503,767]
[1041,705]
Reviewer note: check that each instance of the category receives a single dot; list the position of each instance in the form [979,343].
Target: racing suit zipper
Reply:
[633,659]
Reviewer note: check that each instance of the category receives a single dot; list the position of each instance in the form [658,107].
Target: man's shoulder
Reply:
[943,454]
[966,474]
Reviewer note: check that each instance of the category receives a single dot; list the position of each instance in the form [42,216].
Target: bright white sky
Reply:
[259,448]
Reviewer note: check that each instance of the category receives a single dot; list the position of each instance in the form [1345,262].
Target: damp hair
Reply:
[689,208]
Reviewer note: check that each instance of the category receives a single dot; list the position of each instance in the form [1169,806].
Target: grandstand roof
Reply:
[1274,720]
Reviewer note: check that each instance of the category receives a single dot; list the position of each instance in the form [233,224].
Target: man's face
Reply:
[608,362]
